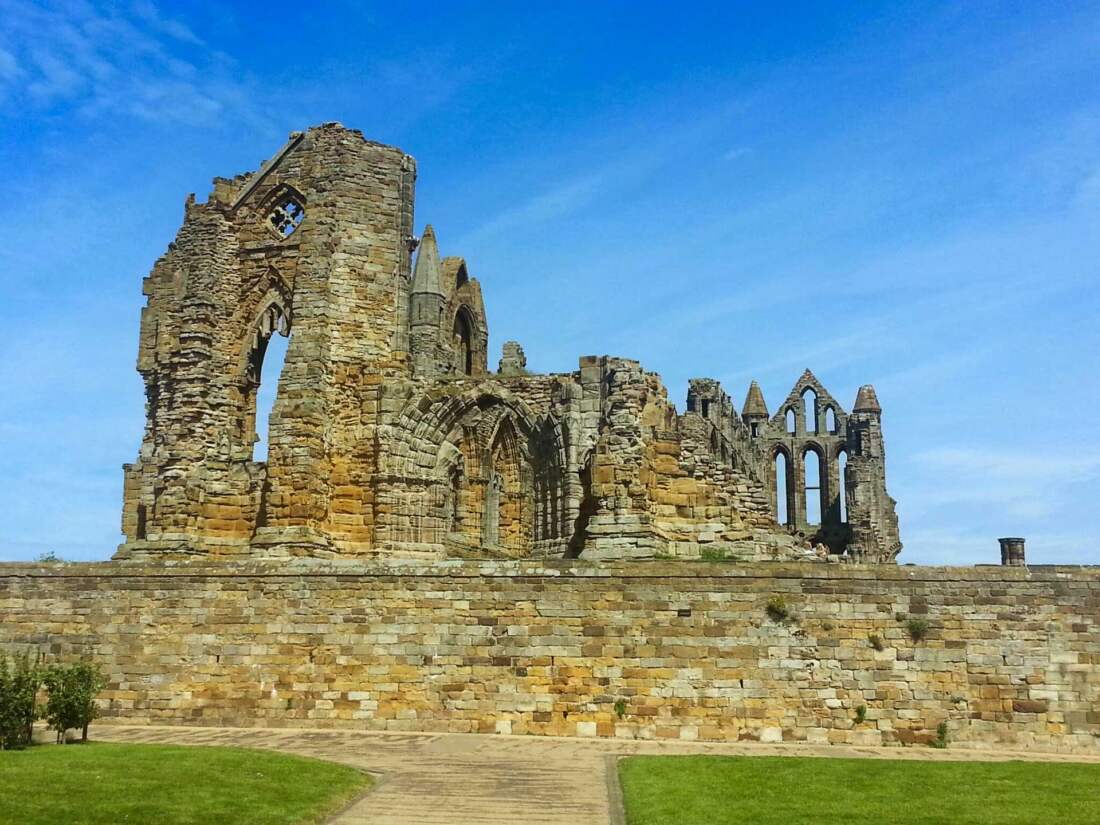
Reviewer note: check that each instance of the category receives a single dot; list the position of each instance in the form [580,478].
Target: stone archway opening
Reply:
[509,511]
[263,369]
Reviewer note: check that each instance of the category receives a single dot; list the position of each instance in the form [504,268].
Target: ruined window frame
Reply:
[819,488]
[783,504]
[278,221]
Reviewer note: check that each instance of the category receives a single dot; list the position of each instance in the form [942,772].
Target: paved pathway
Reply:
[467,779]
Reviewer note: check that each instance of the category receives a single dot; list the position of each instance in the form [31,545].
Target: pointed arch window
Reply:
[830,420]
[811,463]
[782,488]
[842,466]
[791,423]
[463,335]
[266,357]
[809,402]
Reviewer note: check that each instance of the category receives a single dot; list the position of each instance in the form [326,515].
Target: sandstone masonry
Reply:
[1011,656]
[390,437]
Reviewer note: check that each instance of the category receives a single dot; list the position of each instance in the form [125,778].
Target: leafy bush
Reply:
[918,629]
[777,609]
[712,554]
[71,702]
[861,714]
[620,708]
[876,642]
[19,682]
[49,557]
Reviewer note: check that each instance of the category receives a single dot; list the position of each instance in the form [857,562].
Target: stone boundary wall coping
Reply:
[549,570]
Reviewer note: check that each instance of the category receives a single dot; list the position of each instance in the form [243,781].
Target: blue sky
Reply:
[901,194]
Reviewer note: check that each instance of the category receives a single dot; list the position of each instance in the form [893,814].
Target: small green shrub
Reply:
[941,736]
[713,554]
[828,626]
[918,629]
[876,642]
[662,555]
[20,679]
[49,557]
[72,691]
[861,714]
[777,609]
[620,708]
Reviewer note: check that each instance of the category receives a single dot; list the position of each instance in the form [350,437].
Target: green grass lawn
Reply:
[107,784]
[719,790]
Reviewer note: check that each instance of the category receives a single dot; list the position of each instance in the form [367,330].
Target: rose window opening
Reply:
[287,216]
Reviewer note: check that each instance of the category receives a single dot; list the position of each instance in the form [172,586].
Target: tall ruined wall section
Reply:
[316,245]
[834,481]
[671,485]
[1011,657]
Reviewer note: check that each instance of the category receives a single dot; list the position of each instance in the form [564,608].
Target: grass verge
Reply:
[109,784]
[720,790]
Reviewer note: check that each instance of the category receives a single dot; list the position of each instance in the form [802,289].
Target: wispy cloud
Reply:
[552,203]
[113,60]
[1011,463]
[1019,481]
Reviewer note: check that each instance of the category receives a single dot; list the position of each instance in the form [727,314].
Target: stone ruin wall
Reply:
[1011,658]
[390,436]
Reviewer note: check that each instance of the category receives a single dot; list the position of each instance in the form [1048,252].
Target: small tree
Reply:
[19,683]
[72,692]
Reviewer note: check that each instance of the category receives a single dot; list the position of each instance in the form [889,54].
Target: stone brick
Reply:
[471,645]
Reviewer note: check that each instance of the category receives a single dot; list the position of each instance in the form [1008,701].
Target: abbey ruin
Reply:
[434,546]
[391,436]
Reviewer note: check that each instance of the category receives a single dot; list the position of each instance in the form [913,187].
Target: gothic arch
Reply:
[270,317]
[495,478]
[783,499]
[509,505]
[462,341]
[814,484]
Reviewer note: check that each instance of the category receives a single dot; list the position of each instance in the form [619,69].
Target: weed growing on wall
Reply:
[918,629]
[777,609]
[941,736]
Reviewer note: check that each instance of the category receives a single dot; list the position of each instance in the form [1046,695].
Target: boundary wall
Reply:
[1010,656]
